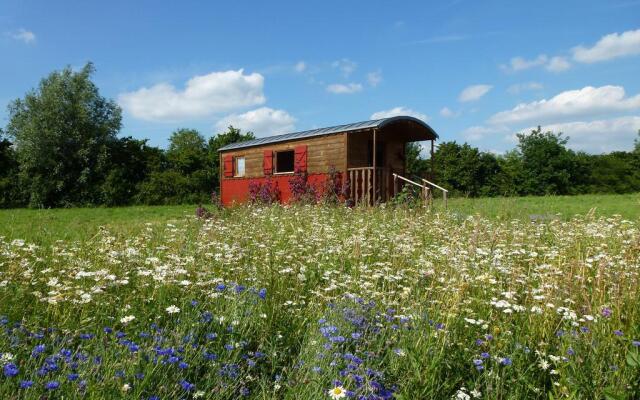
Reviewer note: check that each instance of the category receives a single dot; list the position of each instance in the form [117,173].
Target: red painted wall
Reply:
[236,190]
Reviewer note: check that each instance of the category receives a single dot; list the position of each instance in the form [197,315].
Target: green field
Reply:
[527,298]
[46,226]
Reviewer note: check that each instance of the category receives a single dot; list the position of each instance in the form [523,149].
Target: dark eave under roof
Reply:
[358,126]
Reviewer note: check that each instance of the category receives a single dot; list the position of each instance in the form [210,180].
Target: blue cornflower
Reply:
[107,330]
[617,332]
[337,339]
[10,370]
[194,303]
[244,391]
[52,385]
[119,374]
[26,384]
[262,293]
[86,336]
[356,335]
[154,398]
[635,343]
[183,365]
[38,349]
[506,361]
[186,385]
[485,355]
[240,289]
[477,362]
[72,377]
[139,375]
[570,351]
[317,370]
[606,312]
[221,287]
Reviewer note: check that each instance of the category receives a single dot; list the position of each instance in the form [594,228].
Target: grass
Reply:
[292,303]
[78,224]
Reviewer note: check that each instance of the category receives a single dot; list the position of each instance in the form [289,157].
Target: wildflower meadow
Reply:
[321,302]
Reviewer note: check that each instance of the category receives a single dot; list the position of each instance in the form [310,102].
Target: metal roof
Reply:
[357,126]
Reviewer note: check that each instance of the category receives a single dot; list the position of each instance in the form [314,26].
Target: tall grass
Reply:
[291,303]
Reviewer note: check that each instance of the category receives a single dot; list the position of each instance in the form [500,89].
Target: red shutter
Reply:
[300,163]
[228,166]
[267,164]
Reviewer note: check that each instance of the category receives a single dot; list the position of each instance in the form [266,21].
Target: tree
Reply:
[465,170]
[61,132]
[232,135]
[10,195]
[187,151]
[131,161]
[547,164]
[414,163]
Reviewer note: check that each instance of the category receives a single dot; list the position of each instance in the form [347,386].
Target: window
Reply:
[284,161]
[239,170]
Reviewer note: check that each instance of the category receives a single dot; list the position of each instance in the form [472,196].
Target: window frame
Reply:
[275,162]
[236,169]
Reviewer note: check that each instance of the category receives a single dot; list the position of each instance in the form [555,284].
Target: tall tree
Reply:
[547,163]
[61,131]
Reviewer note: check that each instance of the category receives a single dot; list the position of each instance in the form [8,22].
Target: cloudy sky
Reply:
[475,71]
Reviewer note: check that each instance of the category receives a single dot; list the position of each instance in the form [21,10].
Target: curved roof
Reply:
[357,126]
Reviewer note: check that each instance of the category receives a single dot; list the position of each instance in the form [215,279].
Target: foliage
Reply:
[302,191]
[264,192]
[292,302]
[62,132]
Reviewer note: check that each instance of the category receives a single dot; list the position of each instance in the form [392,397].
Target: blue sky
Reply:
[476,71]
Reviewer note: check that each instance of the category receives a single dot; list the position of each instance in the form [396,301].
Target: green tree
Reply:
[187,151]
[131,161]
[62,131]
[415,164]
[547,165]
[10,195]
[232,135]
[465,170]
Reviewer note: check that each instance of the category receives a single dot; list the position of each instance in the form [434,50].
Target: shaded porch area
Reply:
[376,157]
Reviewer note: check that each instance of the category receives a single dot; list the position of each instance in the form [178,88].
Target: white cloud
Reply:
[300,66]
[448,113]
[523,87]
[586,101]
[520,64]
[345,65]
[349,88]
[610,46]
[203,95]
[23,35]
[474,92]
[601,136]
[558,64]
[263,121]
[374,78]
[397,111]
[478,132]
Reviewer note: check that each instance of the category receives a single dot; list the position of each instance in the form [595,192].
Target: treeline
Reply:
[61,148]
[541,164]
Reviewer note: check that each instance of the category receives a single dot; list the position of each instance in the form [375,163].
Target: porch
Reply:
[376,159]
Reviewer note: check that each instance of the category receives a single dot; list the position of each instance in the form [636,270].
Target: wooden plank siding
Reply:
[322,154]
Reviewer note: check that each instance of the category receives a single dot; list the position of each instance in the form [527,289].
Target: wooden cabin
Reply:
[346,149]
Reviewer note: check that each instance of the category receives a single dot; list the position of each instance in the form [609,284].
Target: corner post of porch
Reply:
[375,133]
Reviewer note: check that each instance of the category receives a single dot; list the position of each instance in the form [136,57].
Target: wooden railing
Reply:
[424,190]
[361,185]
[444,191]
